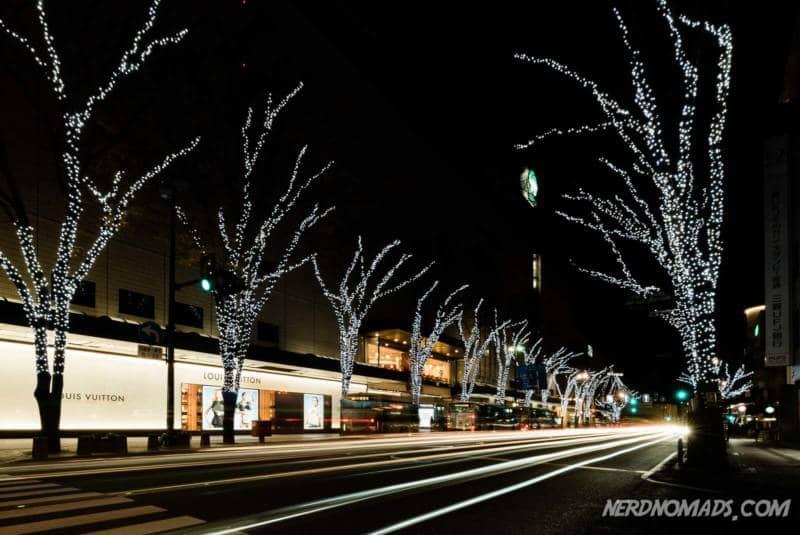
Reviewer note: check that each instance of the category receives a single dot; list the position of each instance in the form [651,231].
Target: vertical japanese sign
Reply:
[777,254]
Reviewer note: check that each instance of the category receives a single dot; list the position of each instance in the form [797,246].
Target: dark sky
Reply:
[420,105]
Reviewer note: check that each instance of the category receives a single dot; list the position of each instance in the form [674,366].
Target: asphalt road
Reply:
[487,482]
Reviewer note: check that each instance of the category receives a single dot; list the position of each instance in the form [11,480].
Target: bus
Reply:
[378,413]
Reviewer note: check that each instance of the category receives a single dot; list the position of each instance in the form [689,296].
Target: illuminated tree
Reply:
[558,365]
[596,383]
[46,291]
[420,348]
[530,357]
[729,386]
[510,340]
[617,397]
[243,249]
[672,207]
[356,294]
[475,347]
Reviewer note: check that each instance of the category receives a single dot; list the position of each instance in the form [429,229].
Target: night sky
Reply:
[420,106]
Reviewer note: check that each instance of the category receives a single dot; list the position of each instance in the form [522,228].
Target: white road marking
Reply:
[80,520]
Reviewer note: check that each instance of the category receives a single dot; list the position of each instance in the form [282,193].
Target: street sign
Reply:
[523,377]
[150,352]
[150,333]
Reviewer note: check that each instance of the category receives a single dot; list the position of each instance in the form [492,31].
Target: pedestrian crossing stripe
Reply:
[28,507]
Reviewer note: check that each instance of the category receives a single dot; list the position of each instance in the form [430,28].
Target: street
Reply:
[442,482]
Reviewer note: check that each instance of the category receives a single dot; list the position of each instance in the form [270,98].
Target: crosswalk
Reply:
[32,506]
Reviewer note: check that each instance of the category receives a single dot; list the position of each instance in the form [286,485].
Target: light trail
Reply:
[284,452]
[316,506]
[506,490]
[449,456]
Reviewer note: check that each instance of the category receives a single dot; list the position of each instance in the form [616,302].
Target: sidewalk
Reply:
[13,450]
[754,470]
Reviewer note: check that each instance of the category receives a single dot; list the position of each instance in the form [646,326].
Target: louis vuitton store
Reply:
[108,386]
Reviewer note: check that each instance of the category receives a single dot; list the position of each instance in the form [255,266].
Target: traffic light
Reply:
[634,410]
[218,280]
[634,402]
[681,395]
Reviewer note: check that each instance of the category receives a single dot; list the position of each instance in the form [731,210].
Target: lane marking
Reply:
[648,476]
[50,499]
[37,492]
[506,490]
[602,468]
[80,520]
[57,508]
[156,526]
[17,488]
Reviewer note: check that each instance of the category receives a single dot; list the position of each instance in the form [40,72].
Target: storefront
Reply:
[118,391]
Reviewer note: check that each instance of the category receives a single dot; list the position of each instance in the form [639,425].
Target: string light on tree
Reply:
[420,348]
[510,340]
[46,299]
[244,248]
[729,386]
[475,347]
[356,294]
[670,206]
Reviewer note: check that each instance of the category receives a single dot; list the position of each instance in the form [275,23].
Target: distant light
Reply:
[769,409]
[731,418]
[646,398]
[634,410]
[529,185]
[757,330]
[206,285]
[681,395]
[742,408]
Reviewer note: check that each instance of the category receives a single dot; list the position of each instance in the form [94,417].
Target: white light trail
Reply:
[465,475]
[506,490]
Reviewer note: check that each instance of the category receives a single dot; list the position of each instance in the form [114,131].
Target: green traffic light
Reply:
[634,402]
[681,395]
[206,285]
[634,410]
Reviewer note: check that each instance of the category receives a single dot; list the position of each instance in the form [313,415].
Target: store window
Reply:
[84,294]
[436,370]
[189,315]
[136,304]
[380,354]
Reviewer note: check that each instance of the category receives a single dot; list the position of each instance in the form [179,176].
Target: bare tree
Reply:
[530,356]
[667,208]
[420,348]
[355,296]
[511,340]
[46,293]
[596,383]
[243,249]
[475,347]
[729,386]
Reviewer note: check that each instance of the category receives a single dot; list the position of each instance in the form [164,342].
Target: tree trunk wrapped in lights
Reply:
[356,294]
[244,247]
[475,347]
[529,358]
[46,296]
[510,340]
[671,206]
[596,382]
[617,397]
[421,347]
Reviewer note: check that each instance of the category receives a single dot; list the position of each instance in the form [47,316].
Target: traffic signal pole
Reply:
[171,325]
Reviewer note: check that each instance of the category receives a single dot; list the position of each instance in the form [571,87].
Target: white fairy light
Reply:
[421,347]
[507,340]
[617,397]
[681,228]
[729,386]
[476,347]
[356,294]
[244,249]
[46,300]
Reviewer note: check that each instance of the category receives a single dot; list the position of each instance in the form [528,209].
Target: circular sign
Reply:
[150,333]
